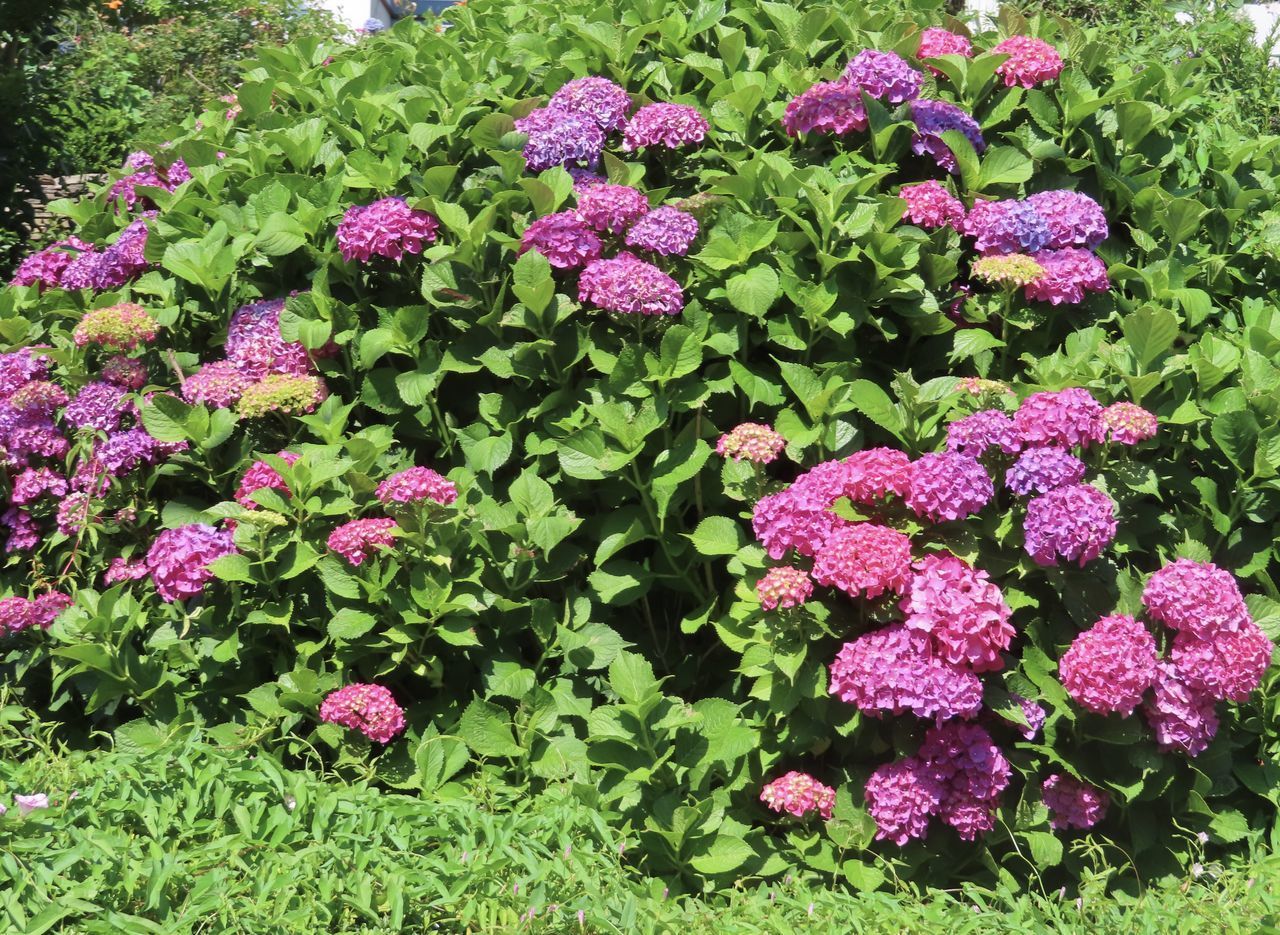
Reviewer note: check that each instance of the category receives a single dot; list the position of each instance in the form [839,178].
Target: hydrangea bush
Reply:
[820,437]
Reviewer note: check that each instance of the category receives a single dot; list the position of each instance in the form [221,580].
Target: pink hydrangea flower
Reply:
[386,228]
[889,671]
[34,483]
[20,613]
[874,473]
[936,41]
[864,559]
[179,559]
[1074,219]
[666,231]
[598,98]
[563,239]
[793,519]
[218,384]
[960,610]
[833,108]
[611,208]
[31,803]
[359,539]
[256,347]
[799,794]
[976,434]
[45,267]
[1031,61]
[670,125]
[902,796]
[1069,524]
[1067,418]
[934,118]
[1227,667]
[751,441]
[971,772]
[1110,665]
[1068,275]
[122,569]
[262,476]
[883,75]
[1039,470]
[1198,597]
[785,587]
[629,286]
[416,484]
[1128,424]
[931,206]
[369,709]
[125,372]
[1073,803]
[1035,717]
[1182,718]
[948,486]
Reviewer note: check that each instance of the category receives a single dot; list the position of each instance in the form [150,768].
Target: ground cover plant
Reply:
[815,441]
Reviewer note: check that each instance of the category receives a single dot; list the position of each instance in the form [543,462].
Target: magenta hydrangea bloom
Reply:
[125,372]
[1009,226]
[256,347]
[361,538]
[669,125]
[24,531]
[799,794]
[889,671]
[1035,717]
[1074,219]
[219,384]
[611,208]
[558,137]
[563,239]
[20,613]
[122,569]
[875,473]
[902,796]
[630,286]
[666,231]
[26,433]
[97,406]
[369,709]
[785,587]
[864,559]
[1068,275]
[262,476]
[33,483]
[75,511]
[1073,803]
[931,206]
[1182,718]
[1227,667]
[827,107]
[1031,61]
[936,41]
[179,559]
[971,772]
[1110,666]
[1067,418]
[598,98]
[387,228]
[1128,424]
[20,367]
[793,519]
[1196,597]
[961,612]
[113,266]
[977,434]
[948,486]
[1069,524]
[416,484]
[751,441]
[932,119]
[124,191]
[1039,470]
[883,75]
[45,267]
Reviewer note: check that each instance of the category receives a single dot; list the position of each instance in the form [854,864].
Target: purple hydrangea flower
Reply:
[1039,470]
[1068,275]
[559,137]
[665,230]
[387,228]
[1074,219]
[1009,226]
[563,239]
[670,125]
[883,75]
[932,119]
[629,285]
[97,406]
[598,98]
[1069,524]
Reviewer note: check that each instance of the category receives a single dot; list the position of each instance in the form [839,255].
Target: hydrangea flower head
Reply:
[1197,597]
[874,473]
[980,432]
[97,406]
[931,206]
[793,519]
[255,345]
[179,559]
[833,108]
[611,208]
[1009,226]
[1031,61]
[799,794]
[971,771]
[902,796]
[282,392]
[977,386]
[932,119]
[1067,418]
[1227,667]
[948,486]
[118,327]
[671,125]
[359,539]
[369,709]
[783,586]
[666,231]
[598,98]
[890,670]
[1039,470]
[1012,269]
[386,228]
[1073,803]
[44,268]
[1069,524]
[416,484]
[125,372]
[39,397]
[20,613]
[1183,718]
[559,137]
[563,239]
[884,76]
[24,531]
[1068,275]
[751,441]
[1034,714]
[262,476]
[1110,666]
[628,285]
[122,569]
[960,610]
[1074,219]
[1128,424]
[864,558]
[936,41]
[33,483]
[218,384]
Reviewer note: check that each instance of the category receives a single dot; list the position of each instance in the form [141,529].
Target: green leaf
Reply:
[280,234]
[350,624]
[1004,165]
[681,352]
[1046,849]
[532,495]
[754,292]
[1150,332]
[1236,433]
[631,678]
[486,729]
[234,567]
[717,535]
[726,854]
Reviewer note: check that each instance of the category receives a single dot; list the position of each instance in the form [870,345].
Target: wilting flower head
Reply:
[1014,270]
[936,41]
[1030,61]
[1074,219]
[179,559]
[39,397]
[884,76]
[125,372]
[45,267]
[947,486]
[262,476]
[1073,803]
[669,125]
[931,206]
[890,670]
[370,709]
[1039,470]
[357,540]
[119,327]
[1228,666]
[1129,424]
[784,587]
[1109,666]
[630,286]
[902,796]
[977,434]
[799,794]
[666,231]
[932,119]
[122,569]
[751,441]
[793,519]
[960,610]
[1007,226]
[611,208]
[864,558]
[977,386]
[1198,597]
[387,227]
[1182,717]
[1068,418]
[558,137]
[282,392]
[827,107]
[1069,524]
[218,384]
[416,484]
[1068,275]
[96,406]
[563,239]
[598,98]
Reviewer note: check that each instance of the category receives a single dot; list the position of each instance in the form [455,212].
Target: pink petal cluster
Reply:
[1226,667]
[1074,219]
[34,483]
[785,587]
[1196,597]
[361,538]
[44,268]
[20,613]
[598,98]
[1073,803]
[1069,524]
[883,75]
[874,473]
[960,610]
[122,569]
[416,484]
[218,384]
[827,107]
[1031,61]
[256,347]
[1039,470]
[902,797]
[666,231]
[936,41]
[563,239]
[179,559]
[386,228]
[369,709]
[628,285]
[931,206]
[97,406]
[799,794]
[1110,666]
[1067,418]
[1035,717]
[670,125]
[751,441]
[948,486]
[889,671]
[793,519]
[611,208]
[1182,718]
[1128,424]
[864,559]
[262,476]
[976,434]
[1068,275]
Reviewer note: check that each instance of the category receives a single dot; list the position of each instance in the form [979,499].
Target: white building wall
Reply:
[355,13]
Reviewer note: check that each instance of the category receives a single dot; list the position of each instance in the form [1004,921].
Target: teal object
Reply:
[434,6]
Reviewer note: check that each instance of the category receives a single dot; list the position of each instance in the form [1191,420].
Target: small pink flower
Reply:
[784,587]
[369,709]
[415,485]
[359,539]
[30,803]
[799,794]
[751,441]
